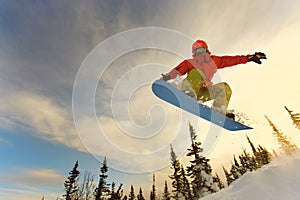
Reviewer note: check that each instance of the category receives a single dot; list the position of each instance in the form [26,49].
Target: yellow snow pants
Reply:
[219,92]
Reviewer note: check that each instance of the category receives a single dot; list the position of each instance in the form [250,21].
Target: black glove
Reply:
[165,77]
[256,57]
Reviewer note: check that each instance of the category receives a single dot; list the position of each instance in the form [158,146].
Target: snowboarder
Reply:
[200,70]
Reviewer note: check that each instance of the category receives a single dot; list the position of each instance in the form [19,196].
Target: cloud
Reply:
[126,144]
[33,178]
[45,43]
[143,137]
[40,114]
[24,194]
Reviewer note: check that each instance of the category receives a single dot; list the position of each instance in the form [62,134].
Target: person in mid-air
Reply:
[200,70]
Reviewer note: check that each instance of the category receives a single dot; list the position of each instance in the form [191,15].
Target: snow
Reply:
[276,181]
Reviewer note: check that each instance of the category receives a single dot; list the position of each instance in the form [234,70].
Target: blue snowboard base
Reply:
[172,95]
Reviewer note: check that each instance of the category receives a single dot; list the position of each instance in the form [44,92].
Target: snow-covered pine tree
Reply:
[103,187]
[200,170]
[229,177]
[235,172]
[140,195]
[215,185]
[265,155]
[176,177]
[207,178]
[186,190]
[287,146]
[295,117]
[166,193]
[240,168]
[71,183]
[131,194]
[194,170]
[220,185]
[247,161]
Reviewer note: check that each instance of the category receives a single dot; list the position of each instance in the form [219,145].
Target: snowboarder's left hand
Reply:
[165,77]
[256,57]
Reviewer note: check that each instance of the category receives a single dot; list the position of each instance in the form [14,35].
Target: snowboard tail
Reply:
[172,95]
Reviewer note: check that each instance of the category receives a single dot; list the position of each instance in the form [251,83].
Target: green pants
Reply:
[219,92]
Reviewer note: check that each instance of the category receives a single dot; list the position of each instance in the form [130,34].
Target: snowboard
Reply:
[174,96]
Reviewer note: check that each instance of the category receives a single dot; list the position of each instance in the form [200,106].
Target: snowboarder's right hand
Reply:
[206,85]
[256,57]
[165,77]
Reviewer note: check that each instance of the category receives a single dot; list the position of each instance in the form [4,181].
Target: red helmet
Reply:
[199,44]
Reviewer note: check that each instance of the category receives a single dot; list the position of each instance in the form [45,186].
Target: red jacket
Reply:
[208,64]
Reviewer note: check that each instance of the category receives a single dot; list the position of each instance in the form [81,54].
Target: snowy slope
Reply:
[277,181]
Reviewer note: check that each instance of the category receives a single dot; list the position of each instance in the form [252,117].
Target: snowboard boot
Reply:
[223,111]
[230,115]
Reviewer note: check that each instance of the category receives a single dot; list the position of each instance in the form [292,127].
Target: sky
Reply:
[75,85]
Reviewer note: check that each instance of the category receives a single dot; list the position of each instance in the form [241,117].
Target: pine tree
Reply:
[295,117]
[265,155]
[220,185]
[102,188]
[176,177]
[166,194]
[153,192]
[239,167]
[286,145]
[261,155]
[186,190]
[71,183]
[207,178]
[200,170]
[229,178]
[195,170]
[140,195]
[131,195]
[112,191]
[256,156]
[247,161]
[116,195]
[234,171]
[119,193]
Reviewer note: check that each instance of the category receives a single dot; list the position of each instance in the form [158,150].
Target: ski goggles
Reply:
[199,51]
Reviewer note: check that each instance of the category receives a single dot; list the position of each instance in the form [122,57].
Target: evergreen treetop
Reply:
[71,183]
[166,193]
[199,170]
[286,145]
[103,187]
[140,195]
[131,195]
[295,117]
[176,178]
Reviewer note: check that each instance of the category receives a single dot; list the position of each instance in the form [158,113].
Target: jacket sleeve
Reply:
[181,69]
[228,61]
